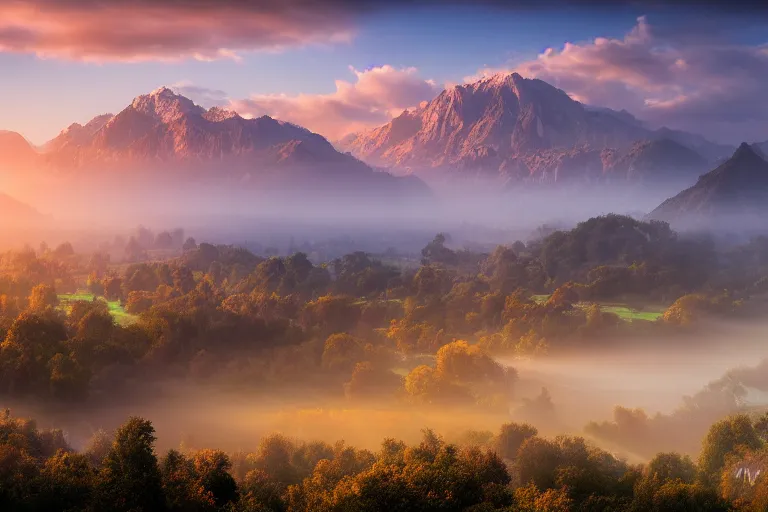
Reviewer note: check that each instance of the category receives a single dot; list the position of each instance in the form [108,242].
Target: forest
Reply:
[445,332]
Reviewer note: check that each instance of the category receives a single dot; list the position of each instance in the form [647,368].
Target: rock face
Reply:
[655,160]
[15,152]
[525,129]
[738,187]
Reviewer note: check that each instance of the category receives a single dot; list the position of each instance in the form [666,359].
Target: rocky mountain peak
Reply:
[745,153]
[165,105]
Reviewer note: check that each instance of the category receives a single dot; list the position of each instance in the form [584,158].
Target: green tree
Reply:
[341,351]
[511,437]
[31,342]
[212,468]
[181,485]
[67,481]
[130,479]
[723,438]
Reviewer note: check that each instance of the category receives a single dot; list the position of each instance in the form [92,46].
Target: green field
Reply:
[630,314]
[115,309]
[621,310]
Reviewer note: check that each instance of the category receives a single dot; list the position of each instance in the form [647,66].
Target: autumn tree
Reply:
[43,296]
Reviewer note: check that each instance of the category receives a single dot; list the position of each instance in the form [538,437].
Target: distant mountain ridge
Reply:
[738,187]
[16,153]
[77,134]
[519,127]
[165,138]
[16,214]
[167,128]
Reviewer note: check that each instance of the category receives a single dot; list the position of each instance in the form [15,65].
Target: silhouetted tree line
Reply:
[514,470]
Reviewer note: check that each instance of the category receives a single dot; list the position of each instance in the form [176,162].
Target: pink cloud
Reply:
[377,95]
[166,30]
[687,80]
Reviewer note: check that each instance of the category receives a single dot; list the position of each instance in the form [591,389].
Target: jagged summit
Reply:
[162,90]
[165,105]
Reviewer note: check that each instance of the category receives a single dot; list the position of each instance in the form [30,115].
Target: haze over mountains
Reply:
[19,214]
[163,146]
[519,129]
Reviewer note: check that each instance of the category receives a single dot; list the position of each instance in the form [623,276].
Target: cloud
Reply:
[167,30]
[172,30]
[201,95]
[375,97]
[676,78]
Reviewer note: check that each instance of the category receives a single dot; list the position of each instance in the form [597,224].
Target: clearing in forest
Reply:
[115,308]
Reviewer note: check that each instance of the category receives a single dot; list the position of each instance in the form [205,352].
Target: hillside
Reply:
[15,214]
[15,152]
[655,160]
[737,187]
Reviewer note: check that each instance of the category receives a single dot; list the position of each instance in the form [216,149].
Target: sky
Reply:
[340,66]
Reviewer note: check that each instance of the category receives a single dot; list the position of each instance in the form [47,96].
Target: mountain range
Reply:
[525,129]
[734,190]
[505,128]
[162,134]
[165,128]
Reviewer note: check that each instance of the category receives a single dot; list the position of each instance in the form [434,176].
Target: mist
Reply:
[299,205]
[225,348]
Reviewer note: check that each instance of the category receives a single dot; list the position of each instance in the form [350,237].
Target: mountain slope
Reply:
[761,148]
[737,187]
[15,214]
[712,151]
[16,152]
[77,134]
[657,160]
